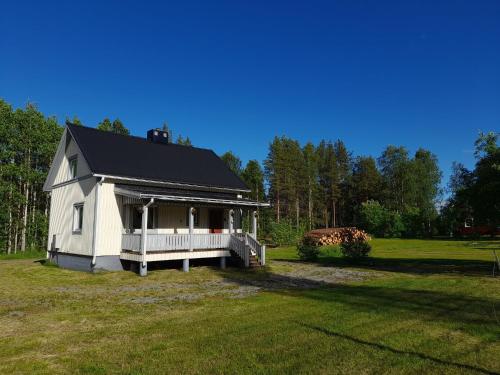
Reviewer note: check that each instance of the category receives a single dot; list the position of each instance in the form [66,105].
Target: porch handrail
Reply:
[257,248]
[240,247]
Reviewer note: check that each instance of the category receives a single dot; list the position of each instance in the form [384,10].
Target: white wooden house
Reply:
[120,201]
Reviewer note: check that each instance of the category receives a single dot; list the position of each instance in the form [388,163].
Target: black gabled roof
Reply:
[135,157]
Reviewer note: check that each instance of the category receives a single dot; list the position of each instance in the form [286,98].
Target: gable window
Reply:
[77,218]
[73,162]
[196,217]
[136,215]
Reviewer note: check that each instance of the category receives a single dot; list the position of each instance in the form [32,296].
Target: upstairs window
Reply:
[73,162]
[77,218]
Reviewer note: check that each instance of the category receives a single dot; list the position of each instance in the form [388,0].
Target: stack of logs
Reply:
[336,236]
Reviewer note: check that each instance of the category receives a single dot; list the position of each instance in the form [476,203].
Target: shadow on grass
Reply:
[375,345]
[426,304]
[473,315]
[413,266]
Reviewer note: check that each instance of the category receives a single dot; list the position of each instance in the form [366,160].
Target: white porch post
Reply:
[185,262]
[191,227]
[231,231]
[254,224]
[231,221]
[143,266]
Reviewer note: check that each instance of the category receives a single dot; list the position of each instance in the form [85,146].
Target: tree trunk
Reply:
[278,207]
[9,229]
[15,238]
[309,208]
[25,217]
[26,202]
[334,214]
[33,223]
[297,211]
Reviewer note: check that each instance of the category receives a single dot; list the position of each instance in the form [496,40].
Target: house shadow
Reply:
[419,266]
[408,353]
[475,314]
[432,305]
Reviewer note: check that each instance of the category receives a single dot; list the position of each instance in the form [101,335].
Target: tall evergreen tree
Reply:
[366,183]
[74,121]
[116,126]
[232,161]
[105,125]
[183,141]
[254,178]
[343,160]
[397,172]
[325,158]
[274,173]
[485,190]
[311,174]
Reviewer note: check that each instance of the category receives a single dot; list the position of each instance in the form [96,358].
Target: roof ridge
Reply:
[69,124]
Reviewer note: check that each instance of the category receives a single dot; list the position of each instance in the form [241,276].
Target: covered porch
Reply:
[162,225]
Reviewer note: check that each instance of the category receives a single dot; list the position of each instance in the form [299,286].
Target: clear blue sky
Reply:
[232,75]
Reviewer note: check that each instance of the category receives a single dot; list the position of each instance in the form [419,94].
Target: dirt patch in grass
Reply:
[283,275]
[232,284]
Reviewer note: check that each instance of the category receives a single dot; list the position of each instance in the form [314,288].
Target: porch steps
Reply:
[254,263]
[253,260]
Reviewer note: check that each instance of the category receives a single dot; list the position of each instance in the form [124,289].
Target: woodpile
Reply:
[336,236]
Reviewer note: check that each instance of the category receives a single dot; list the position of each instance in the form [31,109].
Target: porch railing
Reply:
[256,248]
[244,245]
[172,242]
[239,246]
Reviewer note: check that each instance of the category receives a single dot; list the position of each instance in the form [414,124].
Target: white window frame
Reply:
[78,218]
[72,173]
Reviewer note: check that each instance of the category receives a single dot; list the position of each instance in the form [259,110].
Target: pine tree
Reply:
[183,141]
[117,127]
[311,173]
[254,178]
[232,161]
[105,125]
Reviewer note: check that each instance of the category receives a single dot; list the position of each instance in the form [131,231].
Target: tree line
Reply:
[28,142]
[397,194]
[325,185]
[309,186]
[475,194]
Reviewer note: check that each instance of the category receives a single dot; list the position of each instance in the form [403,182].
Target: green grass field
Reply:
[414,307]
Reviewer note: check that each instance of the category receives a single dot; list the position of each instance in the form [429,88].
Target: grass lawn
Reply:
[413,307]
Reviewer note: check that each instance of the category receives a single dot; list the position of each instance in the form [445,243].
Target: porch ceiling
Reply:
[188,196]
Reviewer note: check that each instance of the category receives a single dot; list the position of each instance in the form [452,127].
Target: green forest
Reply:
[395,194]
